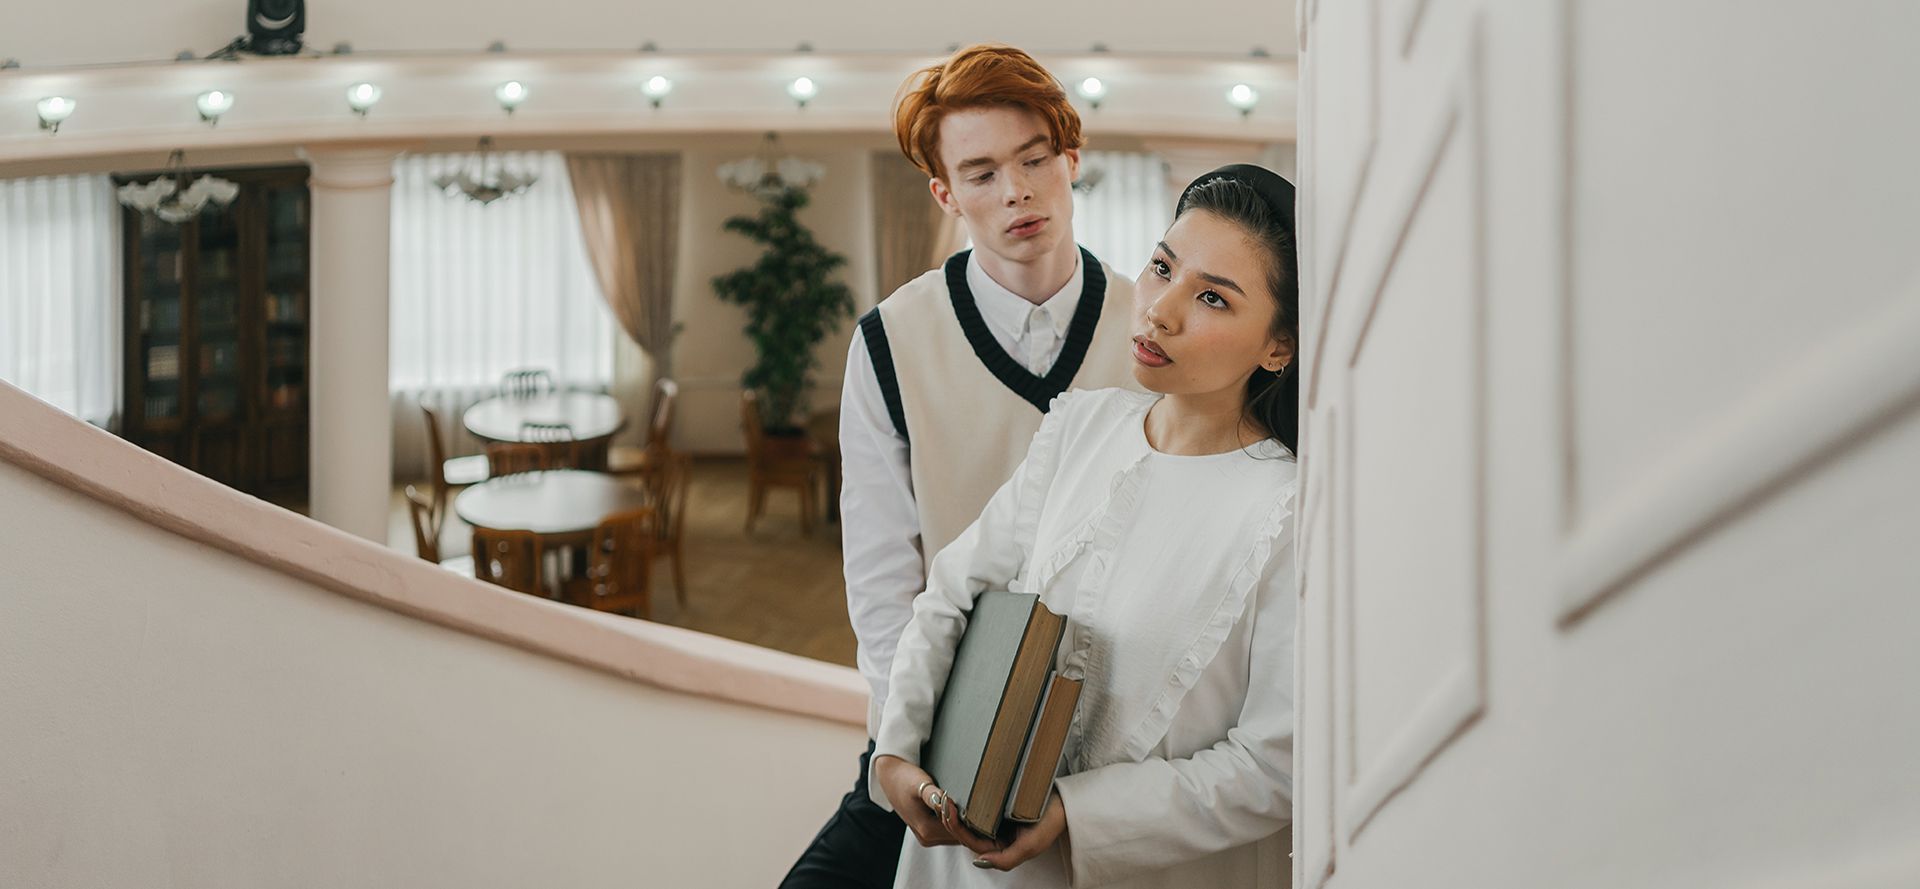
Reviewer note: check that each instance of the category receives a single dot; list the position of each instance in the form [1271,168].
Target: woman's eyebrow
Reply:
[1223,282]
[1169,252]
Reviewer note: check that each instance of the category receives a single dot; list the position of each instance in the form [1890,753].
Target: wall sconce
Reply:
[803,89]
[212,104]
[1093,91]
[510,94]
[53,110]
[657,88]
[1243,97]
[361,97]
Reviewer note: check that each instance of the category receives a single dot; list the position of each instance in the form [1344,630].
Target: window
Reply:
[60,291]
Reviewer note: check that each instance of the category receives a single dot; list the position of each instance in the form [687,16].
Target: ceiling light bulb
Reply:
[212,104]
[510,94]
[657,88]
[1243,97]
[361,97]
[1093,91]
[53,110]
[802,89]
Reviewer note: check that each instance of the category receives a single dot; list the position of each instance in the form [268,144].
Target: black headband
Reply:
[1274,191]
[1273,188]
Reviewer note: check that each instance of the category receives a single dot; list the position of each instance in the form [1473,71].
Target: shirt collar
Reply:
[1006,310]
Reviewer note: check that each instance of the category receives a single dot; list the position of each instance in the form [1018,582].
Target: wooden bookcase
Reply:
[216,355]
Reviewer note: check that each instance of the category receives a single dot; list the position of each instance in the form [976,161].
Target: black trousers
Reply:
[858,847]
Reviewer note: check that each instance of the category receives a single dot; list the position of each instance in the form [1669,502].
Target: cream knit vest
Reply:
[969,409]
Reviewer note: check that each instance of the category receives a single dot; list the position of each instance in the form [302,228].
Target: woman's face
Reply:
[1203,315]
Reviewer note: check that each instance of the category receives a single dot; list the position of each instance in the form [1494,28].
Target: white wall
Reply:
[712,352]
[94,31]
[176,716]
[1612,434]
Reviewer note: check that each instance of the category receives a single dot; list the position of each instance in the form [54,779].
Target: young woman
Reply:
[1161,525]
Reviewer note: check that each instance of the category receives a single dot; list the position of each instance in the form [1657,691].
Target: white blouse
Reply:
[1177,578]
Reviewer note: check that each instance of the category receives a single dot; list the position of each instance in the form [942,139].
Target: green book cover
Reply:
[975,685]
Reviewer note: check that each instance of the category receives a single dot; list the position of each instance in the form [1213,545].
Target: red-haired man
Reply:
[948,378]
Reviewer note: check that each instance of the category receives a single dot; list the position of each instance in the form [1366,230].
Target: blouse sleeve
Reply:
[1133,816]
[988,555]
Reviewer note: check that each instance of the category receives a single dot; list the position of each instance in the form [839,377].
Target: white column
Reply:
[352,424]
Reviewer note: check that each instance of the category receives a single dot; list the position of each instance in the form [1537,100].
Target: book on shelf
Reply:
[999,732]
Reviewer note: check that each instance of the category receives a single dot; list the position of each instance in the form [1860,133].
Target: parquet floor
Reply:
[775,588]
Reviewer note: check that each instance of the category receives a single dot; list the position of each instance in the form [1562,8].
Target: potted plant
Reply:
[792,303]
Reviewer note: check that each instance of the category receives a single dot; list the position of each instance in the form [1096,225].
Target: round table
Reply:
[591,414]
[562,506]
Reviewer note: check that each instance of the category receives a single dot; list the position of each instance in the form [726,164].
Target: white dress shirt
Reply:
[1177,578]
[879,524]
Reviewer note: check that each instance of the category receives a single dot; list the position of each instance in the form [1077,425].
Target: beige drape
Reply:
[910,233]
[630,216]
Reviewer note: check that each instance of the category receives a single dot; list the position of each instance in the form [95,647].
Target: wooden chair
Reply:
[657,452]
[619,564]
[563,450]
[669,490]
[448,474]
[787,463]
[426,537]
[509,458]
[508,558]
[526,382]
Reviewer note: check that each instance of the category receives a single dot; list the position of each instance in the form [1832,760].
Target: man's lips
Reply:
[1026,225]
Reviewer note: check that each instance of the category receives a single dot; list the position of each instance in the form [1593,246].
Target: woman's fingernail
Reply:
[982,863]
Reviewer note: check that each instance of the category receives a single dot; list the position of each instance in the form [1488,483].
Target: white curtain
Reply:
[1126,211]
[480,290]
[60,289]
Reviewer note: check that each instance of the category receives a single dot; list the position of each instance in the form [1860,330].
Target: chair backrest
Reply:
[619,559]
[426,538]
[671,496]
[660,428]
[526,383]
[508,458]
[436,466]
[507,558]
[750,424]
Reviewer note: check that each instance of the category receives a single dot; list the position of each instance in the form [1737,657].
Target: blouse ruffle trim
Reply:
[1231,606]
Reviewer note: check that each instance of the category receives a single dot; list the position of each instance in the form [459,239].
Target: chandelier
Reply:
[481,187]
[767,174]
[172,198]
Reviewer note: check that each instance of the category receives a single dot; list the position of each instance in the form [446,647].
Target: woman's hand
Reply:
[923,806]
[1032,839]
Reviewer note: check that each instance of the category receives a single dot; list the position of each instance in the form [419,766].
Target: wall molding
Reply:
[1318,864]
[1458,699]
[1344,233]
[1838,395]
[142,107]
[1842,390]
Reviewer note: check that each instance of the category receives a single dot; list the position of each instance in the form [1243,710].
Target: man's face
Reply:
[1005,182]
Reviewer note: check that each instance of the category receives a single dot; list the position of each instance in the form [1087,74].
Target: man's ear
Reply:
[943,196]
[1073,164]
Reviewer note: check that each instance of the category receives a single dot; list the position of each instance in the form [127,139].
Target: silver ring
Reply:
[921,791]
[940,801]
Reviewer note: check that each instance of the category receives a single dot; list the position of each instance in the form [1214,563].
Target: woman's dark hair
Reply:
[1260,202]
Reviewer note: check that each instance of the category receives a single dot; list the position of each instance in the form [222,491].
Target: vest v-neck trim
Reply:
[1036,390]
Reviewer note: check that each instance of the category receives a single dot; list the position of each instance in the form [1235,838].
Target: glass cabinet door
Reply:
[284,301]
[217,317]
[158,361]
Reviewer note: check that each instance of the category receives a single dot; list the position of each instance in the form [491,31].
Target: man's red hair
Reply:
[984,75]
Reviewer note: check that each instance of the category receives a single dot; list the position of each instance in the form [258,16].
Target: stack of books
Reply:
[1001,728]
